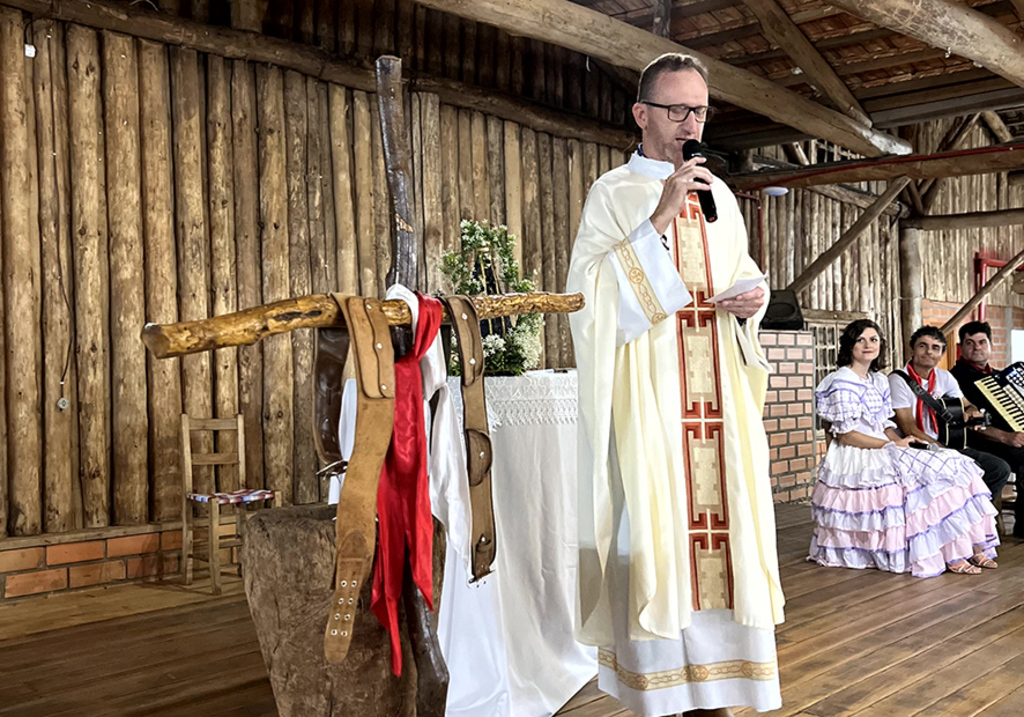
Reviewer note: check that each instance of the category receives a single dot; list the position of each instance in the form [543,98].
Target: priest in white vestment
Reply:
[679,582]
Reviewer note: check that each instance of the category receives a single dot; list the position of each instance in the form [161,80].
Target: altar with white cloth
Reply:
[508,639]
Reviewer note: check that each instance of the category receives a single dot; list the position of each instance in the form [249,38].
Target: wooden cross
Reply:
[322,311]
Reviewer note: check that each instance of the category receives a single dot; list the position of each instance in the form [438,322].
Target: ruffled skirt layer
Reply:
[900,510]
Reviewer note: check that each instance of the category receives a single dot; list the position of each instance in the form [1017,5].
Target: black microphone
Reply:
[691,149]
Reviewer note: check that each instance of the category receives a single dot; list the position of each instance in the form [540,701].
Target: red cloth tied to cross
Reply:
[403,497]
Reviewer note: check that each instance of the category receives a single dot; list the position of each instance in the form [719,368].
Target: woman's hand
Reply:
[906,441]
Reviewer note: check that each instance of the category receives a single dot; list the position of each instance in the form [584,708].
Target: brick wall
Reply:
[789,414]
[87,559]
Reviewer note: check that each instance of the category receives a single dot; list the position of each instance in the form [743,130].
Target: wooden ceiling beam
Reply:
[951,25]
[780,29]
[970,220]
[987,160]
[560,22]
[996,125]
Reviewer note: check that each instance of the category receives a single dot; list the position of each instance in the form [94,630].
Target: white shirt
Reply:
[903,396]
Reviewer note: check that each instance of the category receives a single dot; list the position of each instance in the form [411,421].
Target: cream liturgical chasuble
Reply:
[679,584]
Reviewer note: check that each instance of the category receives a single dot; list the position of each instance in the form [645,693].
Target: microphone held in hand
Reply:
[691,149]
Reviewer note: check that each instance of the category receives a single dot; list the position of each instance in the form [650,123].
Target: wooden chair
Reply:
[1006,502]
[209,550]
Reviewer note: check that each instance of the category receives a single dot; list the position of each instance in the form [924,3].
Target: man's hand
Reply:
[972,412]
[1014,438]
[676,186]
[745,305]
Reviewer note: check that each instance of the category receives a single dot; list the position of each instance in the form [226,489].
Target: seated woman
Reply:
[880,502]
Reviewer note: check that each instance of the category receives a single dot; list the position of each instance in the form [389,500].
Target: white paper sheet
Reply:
[740,287]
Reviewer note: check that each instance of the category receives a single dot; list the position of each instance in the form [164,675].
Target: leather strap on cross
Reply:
[366,328]
[478,440]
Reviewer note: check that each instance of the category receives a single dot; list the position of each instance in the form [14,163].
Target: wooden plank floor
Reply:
[857,643]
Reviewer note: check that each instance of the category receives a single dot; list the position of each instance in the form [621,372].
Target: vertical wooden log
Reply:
[517,80]
[92,309]
[549,250]
[192,239]
[531,237]
[435,30]
[220,160]
[496,170]
[450,176]
[469,51]
[50,95]
[305,22]
[433,191]
[911,282]
[384,28]
[278,378]
[452,45]
[344,201]
[124,218]
[560,239]
[513,181]
[21,267]
[248,14]
[383,226]
[503,69]
[362,138]
[164,377]
[414,122]
[321,257]
[296,131]
[346,28]
[248,256]
[485,55]
[481,188]
[467,201]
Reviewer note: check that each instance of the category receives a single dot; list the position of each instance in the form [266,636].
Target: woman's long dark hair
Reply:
[851,333]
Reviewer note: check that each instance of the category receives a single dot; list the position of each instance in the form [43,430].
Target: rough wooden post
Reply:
[911,284]
[288,564]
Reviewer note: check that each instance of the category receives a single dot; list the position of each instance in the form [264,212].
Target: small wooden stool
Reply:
[209,551]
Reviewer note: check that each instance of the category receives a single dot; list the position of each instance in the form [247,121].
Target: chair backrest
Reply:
[228,458]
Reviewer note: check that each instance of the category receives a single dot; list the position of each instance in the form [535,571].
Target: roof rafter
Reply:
[948,24]
[779,28]
[563,23]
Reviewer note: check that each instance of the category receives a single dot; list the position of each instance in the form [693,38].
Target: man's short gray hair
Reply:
[669,62]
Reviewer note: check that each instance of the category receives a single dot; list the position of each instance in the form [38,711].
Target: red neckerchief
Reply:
[403,497]
[921,407]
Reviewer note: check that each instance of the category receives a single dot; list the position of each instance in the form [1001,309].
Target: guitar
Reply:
[949,413]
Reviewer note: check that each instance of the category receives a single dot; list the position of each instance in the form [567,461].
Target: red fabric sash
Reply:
[403,498]
[921,407]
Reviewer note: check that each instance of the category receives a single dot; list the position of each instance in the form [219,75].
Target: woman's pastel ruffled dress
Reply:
[891,508]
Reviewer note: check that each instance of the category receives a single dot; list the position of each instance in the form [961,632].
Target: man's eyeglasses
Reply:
[679,113]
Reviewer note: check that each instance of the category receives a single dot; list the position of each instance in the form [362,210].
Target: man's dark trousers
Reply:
[993,452]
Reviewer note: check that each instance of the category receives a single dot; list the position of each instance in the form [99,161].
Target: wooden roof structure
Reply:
[855,57]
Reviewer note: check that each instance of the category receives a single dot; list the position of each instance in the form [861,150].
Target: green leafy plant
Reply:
[485,263]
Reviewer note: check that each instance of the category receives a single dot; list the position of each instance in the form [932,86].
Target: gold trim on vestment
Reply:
[712,672]
[642,286]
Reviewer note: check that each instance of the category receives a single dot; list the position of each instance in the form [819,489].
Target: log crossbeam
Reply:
[243,328]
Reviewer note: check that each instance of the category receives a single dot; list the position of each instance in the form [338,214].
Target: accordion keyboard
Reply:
[1005,390]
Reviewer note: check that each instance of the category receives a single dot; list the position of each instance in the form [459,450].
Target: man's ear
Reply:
[640,114]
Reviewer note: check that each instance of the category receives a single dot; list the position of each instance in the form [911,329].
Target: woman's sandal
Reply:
[964,568]
[983,561]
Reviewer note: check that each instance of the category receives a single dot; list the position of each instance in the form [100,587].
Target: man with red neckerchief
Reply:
[927,345]
[998,439]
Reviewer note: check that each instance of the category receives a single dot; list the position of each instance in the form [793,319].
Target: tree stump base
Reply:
[288,565]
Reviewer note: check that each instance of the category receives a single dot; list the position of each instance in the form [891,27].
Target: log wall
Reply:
[157,183]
